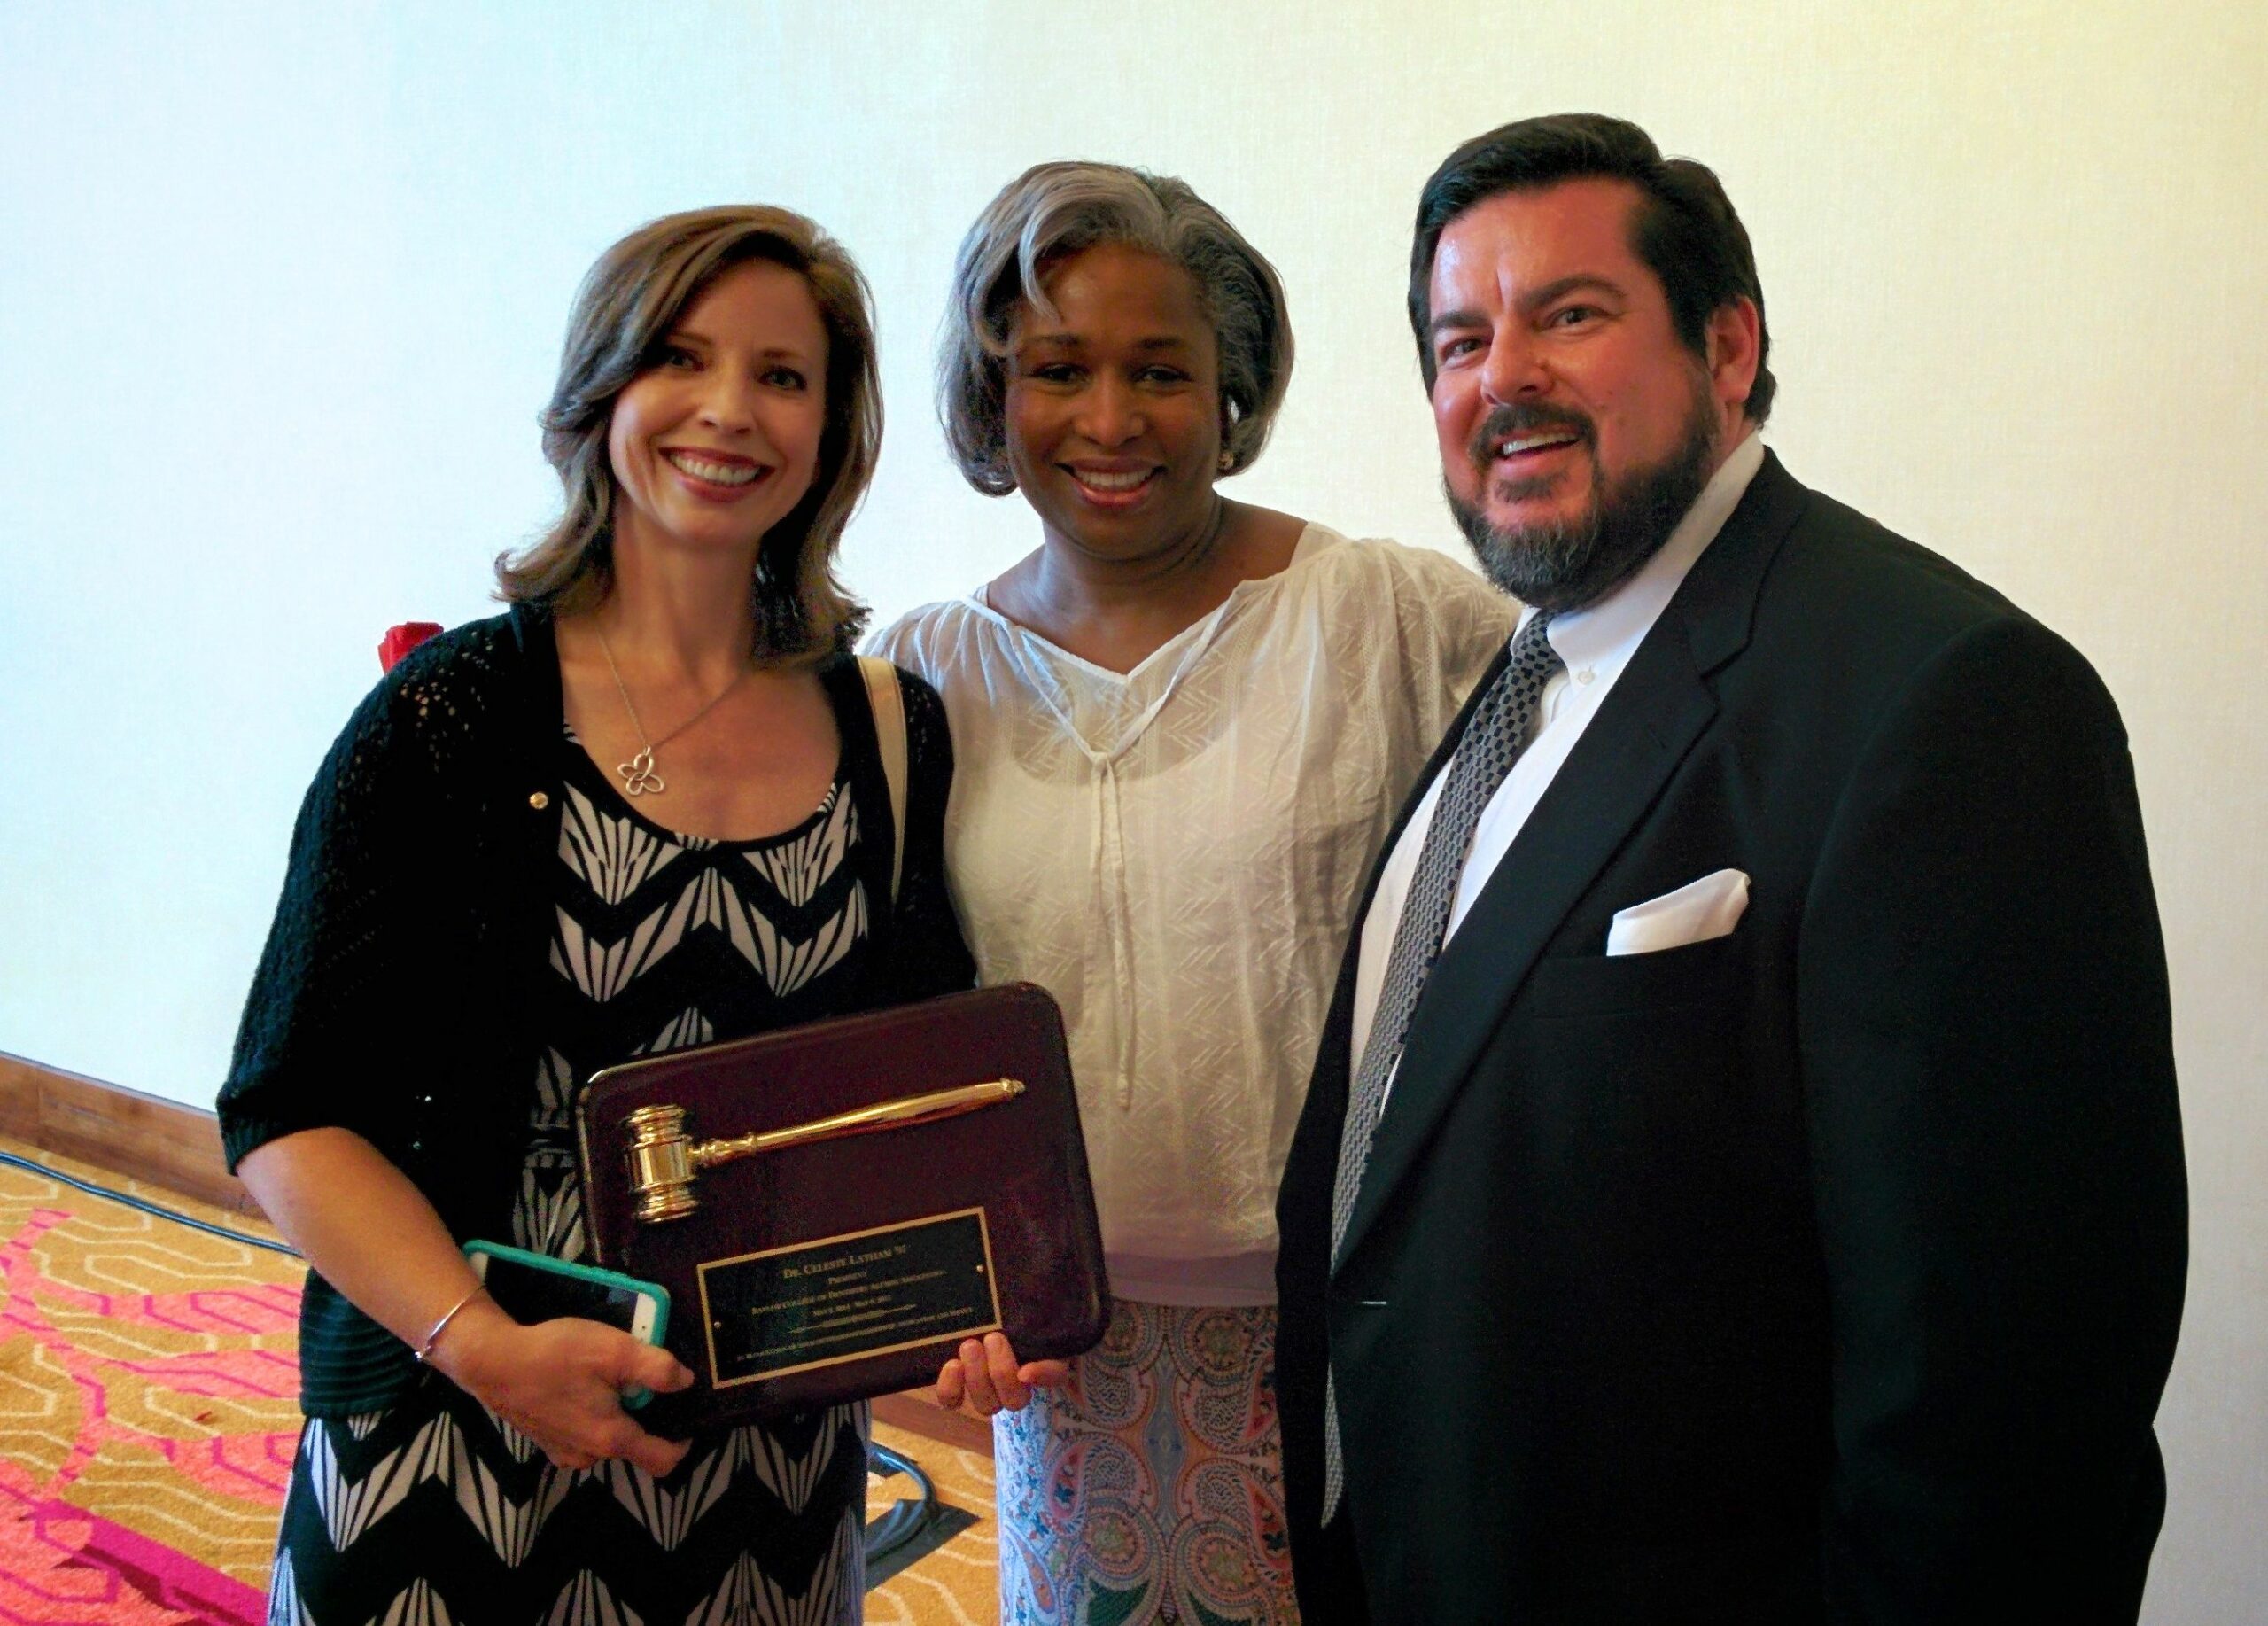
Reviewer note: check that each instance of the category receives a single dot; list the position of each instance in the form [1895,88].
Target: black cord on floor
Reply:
[145,1206]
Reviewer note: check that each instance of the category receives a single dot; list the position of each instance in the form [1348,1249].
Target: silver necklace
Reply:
[638,775]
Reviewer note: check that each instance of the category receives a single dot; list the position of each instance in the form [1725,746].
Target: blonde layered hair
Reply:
[626,307]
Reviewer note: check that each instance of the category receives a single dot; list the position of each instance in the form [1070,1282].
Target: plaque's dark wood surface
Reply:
[1023,1161]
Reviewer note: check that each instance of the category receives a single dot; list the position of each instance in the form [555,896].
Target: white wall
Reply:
[281,289]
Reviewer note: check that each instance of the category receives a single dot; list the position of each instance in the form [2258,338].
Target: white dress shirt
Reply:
[1597,642]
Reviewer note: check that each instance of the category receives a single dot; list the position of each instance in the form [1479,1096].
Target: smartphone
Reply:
[532,1286]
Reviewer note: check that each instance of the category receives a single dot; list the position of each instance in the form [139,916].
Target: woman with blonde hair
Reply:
[1183,725]
[643,809]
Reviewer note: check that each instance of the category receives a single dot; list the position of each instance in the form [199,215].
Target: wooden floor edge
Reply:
[142,1137]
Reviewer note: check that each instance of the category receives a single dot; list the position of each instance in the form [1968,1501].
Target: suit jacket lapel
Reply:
[1659,707]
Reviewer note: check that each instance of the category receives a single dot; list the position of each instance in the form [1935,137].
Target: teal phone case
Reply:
[632,1398]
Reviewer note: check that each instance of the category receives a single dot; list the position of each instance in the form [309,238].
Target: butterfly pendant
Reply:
[638,775]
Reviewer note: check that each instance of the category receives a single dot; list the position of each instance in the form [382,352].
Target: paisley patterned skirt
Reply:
[1151,1488]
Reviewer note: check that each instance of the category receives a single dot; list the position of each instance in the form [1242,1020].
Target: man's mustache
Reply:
[1525,418]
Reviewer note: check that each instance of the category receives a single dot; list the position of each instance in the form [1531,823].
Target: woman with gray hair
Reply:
[1182,726]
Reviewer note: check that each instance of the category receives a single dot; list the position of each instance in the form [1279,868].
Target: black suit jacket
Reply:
[1828,1270]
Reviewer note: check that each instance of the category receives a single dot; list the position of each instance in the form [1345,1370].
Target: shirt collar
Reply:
[1613,626]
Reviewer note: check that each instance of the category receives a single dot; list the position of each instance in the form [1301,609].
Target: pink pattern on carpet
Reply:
[59,1567]
[251,1468]
[256,1374]
[85,1568]
[249,1310]
[63,1565]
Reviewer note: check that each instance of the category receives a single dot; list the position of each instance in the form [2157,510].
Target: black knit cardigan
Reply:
[397,992]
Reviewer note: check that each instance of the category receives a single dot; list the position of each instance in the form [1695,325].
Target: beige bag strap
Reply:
[887,703]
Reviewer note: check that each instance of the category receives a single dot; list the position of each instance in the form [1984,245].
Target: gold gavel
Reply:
[664,1157]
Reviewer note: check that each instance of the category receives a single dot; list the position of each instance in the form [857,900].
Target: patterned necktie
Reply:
[1493,739]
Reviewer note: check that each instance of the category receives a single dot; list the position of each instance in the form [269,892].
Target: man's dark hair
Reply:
[1684,228]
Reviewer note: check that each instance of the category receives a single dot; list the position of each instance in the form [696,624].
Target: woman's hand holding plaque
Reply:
[987,1377]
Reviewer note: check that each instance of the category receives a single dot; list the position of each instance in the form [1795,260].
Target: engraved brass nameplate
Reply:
[843,1298]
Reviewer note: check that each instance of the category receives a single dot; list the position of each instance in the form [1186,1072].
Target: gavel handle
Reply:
[900,1114]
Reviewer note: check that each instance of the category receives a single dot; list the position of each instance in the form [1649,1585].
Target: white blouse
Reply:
[1174,852]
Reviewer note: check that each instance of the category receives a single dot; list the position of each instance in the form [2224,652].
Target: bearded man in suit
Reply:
[1742,1179]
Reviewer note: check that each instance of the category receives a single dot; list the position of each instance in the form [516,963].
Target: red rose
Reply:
[400,640]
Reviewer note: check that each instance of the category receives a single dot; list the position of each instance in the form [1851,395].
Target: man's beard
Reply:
[1564,565]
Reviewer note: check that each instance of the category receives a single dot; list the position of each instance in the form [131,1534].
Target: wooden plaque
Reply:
[836,1207]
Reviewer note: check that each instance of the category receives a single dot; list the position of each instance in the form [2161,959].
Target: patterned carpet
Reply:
[147,1423]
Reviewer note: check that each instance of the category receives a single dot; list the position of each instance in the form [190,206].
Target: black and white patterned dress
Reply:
[432,1511]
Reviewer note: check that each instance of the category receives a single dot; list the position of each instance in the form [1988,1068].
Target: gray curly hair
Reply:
[1052,211]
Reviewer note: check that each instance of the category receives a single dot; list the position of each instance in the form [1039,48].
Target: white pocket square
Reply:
[1696,912]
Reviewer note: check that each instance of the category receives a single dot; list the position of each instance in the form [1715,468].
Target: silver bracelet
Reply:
[425,1349]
